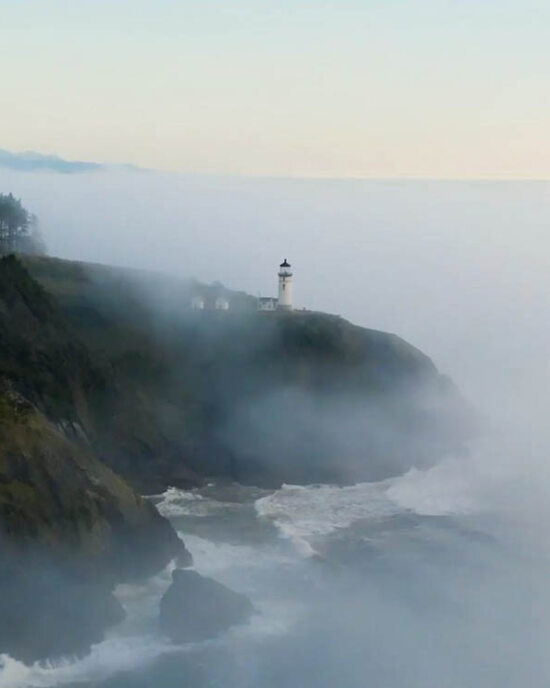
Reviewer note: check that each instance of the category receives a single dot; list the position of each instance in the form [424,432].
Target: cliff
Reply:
[256,397]
[70,528]
[108,380]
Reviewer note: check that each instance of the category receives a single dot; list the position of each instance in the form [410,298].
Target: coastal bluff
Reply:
[110,388]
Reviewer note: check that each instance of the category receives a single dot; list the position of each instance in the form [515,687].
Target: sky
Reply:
[347,88]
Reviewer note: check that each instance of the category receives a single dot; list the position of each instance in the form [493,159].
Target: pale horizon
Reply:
[349,90]
[319,177]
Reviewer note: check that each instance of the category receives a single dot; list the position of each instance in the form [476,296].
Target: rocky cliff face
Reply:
[195,608]
[69,526]
[69,529]
[56,497]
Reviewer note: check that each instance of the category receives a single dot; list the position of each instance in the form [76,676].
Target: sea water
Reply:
[411,582]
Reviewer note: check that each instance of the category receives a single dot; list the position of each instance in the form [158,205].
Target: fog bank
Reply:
[458,269]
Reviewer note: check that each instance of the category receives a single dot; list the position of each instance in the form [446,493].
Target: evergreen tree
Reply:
[19,232]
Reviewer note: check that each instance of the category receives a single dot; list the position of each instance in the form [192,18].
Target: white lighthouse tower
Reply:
[285,286]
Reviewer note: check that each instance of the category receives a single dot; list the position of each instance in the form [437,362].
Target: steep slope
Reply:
[256,397]
[107,372]
[69,527]
[55,496]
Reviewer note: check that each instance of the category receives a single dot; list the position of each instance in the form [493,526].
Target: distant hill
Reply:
[30,161]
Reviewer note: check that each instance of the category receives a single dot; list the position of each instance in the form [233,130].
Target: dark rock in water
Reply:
[184,559]
[197,608]
[48,613]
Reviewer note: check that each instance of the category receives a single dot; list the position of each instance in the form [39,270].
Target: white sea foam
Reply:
[141,602]
[130,644]
[106,658]
[449,488]
[248,569]
[302,513]
[231,563]
[175,502]
[133,644]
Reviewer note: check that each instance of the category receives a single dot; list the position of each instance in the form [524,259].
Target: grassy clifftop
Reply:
[172,396]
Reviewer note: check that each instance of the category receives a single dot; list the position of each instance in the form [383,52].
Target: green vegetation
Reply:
[111,364]
[18,228]
[55,493]
[167,396]
[69,526]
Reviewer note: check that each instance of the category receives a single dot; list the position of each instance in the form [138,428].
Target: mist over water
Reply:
[435,578]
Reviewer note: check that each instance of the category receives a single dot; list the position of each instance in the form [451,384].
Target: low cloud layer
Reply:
[458,269]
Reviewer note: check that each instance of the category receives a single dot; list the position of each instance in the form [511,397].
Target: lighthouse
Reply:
[285,286]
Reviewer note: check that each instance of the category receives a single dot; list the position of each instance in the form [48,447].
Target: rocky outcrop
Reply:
[56,494]
[47,610]
[70,527]
[197,608]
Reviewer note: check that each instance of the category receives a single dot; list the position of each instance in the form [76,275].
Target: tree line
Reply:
[19,230]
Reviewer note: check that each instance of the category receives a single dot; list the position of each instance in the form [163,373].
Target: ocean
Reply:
[419,581]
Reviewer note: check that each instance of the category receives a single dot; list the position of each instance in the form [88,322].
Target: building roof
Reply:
[284,264]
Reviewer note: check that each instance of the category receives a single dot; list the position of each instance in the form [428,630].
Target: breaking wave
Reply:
[105,659]
[302,513]
[449,488]
[175,502]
